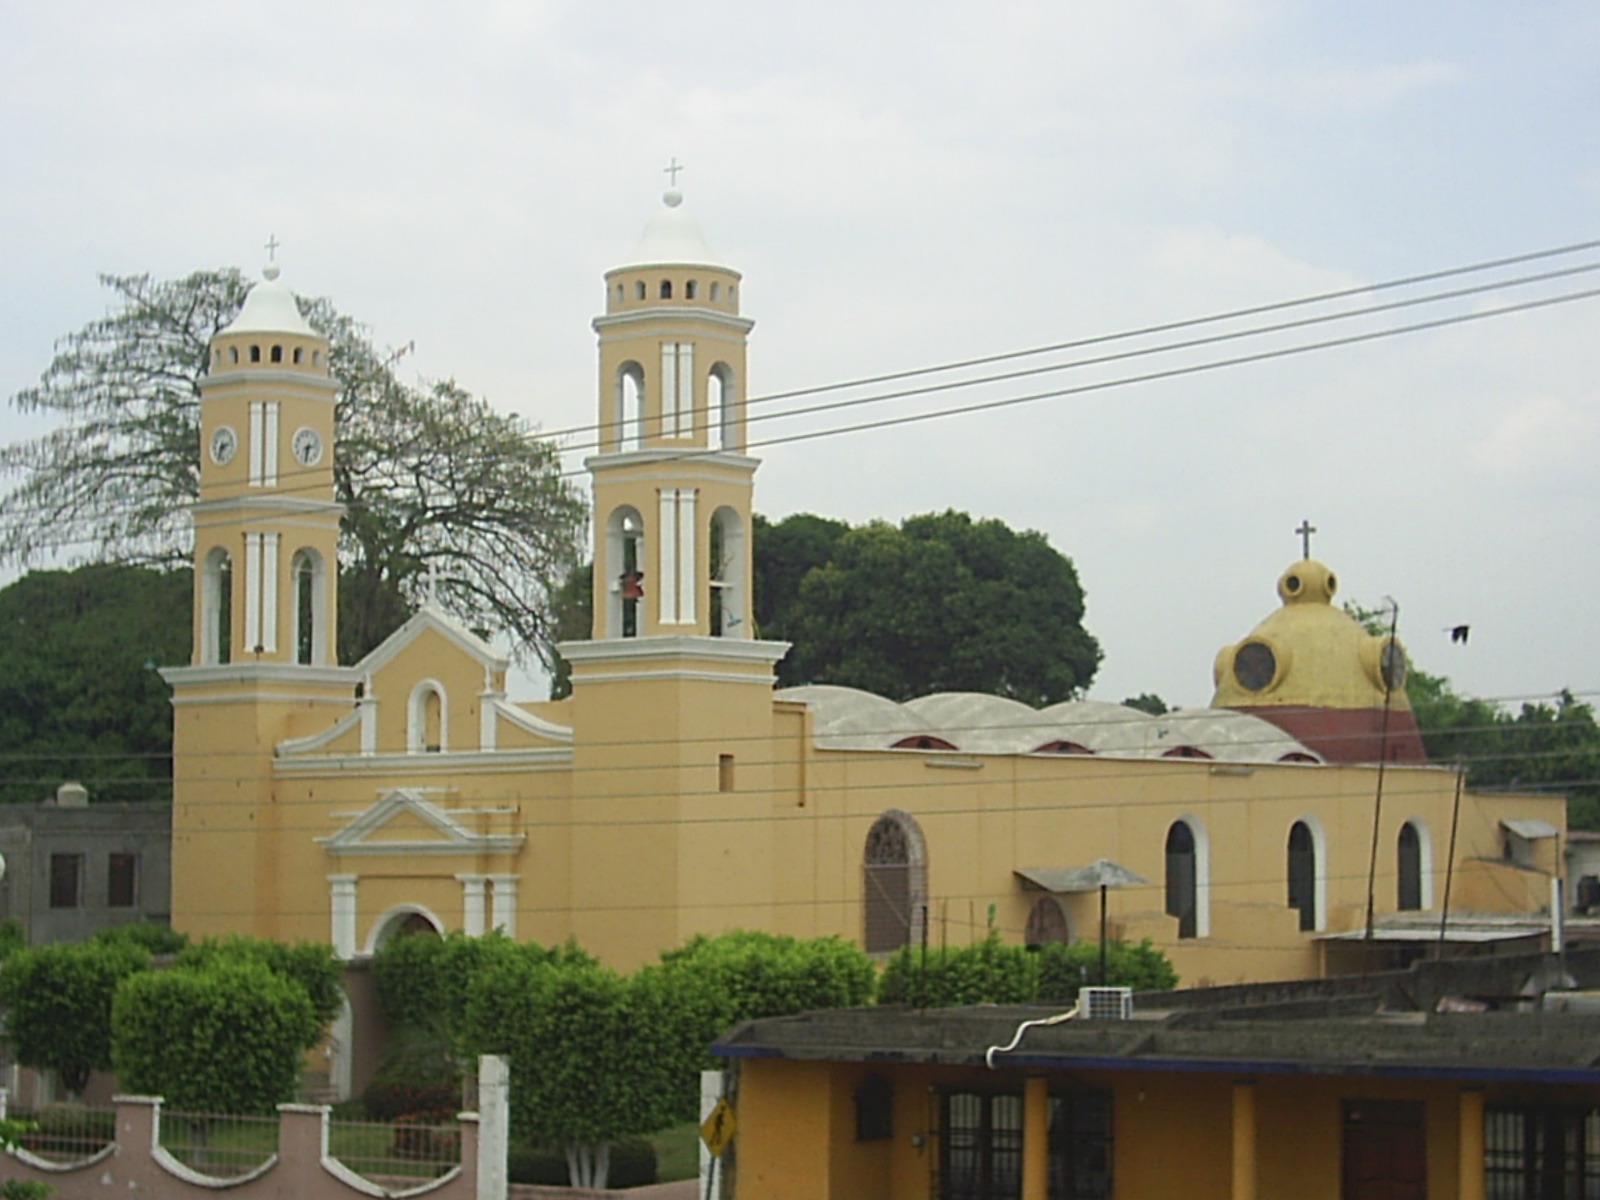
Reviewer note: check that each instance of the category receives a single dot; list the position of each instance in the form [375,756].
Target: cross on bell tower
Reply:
[1305,530]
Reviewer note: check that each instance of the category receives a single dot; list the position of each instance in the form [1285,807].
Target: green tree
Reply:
[431,477]
[310,966]
[1147,702]
[943,603]
[58,1003]
[986,972]
[225,1038]
[1065,967]
[739,976]
[594,1056]
[785,553]
[79,698]
[157,939]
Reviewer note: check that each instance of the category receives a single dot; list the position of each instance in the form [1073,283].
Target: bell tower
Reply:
[671,705]
[263,665]
[672,481]
[266,524]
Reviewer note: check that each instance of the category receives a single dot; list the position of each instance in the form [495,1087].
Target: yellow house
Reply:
[676,792]
[993,1103]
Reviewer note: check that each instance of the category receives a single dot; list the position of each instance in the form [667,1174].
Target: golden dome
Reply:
[1309,654]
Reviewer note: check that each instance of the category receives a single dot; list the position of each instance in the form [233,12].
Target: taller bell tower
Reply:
[672,481]
[671,705]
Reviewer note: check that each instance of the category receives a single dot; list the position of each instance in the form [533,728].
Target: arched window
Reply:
[297,354]
[1189,878]
[1415,867]
[690,289]
[894,883]
[716,291]
[216,608]
[630,407]
[638,290]
[255,353]
[233,354]
[624,580]
[721,409]
[727,575]
[666,289]
[1305,874]
[310,616]
[428,719]
[277,354]
[1047,923]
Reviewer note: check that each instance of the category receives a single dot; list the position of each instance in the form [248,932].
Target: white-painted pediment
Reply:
[405,821]
[430,616]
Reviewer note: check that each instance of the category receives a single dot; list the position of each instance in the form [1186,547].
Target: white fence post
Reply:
[494,1125]
[713,1086]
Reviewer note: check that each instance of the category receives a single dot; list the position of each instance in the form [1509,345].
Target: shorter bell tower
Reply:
[266,524]
[263,666]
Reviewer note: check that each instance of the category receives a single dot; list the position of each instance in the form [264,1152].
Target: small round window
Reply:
[1292,585]
[1254,665]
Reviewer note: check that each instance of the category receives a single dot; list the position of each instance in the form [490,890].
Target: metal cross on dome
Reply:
[671,171]
[1305,531]
[272,247]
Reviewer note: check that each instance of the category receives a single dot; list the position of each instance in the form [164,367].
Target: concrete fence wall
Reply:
[136,1165]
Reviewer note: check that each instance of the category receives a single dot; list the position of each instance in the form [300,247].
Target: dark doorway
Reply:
[1385,1150]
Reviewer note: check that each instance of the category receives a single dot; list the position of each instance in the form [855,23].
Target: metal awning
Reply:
[1531,828]
[1464,936]
[1102,872]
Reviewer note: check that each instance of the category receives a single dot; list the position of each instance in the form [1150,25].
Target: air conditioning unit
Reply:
[1105,1003]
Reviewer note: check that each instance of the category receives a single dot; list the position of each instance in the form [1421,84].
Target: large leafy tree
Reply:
[433,479]
[79,696]
[943,603]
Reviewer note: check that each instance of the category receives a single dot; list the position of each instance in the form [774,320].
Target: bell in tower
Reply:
[672,481]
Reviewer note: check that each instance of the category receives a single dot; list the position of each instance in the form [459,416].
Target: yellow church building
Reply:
[676,792]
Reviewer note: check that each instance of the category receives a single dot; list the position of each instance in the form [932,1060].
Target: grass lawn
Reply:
[677,1152]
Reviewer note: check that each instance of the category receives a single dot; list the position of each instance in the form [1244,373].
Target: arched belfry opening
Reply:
[216,608]
[728,607]
[308,578]
[623,585]
[721,408]
[629,413]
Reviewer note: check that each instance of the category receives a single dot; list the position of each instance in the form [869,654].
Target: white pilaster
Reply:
[504,914]
[472,897]
[342,903]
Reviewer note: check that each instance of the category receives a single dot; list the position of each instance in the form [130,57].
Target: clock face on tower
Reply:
[224,442]
[307,446]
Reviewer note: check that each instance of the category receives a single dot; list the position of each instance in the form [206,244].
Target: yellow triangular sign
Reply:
[716,1131]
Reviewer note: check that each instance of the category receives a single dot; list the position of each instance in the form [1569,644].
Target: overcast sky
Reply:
[905,184]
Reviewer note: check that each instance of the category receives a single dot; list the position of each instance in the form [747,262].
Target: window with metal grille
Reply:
[981,1146]
[122,880]
[874,1109]
[66,881]
[1541,1153]
[892,883]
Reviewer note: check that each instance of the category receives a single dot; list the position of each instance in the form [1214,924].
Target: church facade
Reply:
[676,792]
